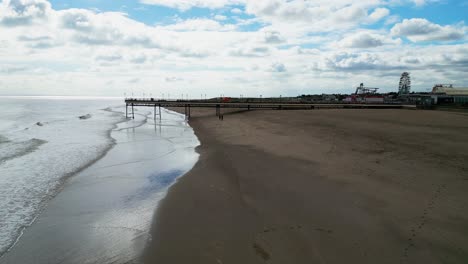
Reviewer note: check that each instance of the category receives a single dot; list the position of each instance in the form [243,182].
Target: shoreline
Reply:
[103,213]
[63,180]
[267,188]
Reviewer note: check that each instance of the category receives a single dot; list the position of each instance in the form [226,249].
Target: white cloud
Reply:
[273,37]
[236,11]
[220,17]
[109,58]
[23,12]
[366,40]
[420,29]
[278,67]
[185,5]
[291,45]
[419,2]
[245,51]
[378,14]
[200,24]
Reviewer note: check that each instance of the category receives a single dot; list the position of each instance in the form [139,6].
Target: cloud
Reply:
[366,40]
[23,12]
[259,51]
[273,37]
[173,79]
[110,28]
[324,15]
[420,29]
[355,62]
[236,11]
[278,67]
[362,41]
[185,5]
[33,39]
[260,45]
[199,24]
[419,2]
[8,69]
[109,58]
[220,17]
[38,42]
[378,14]
[140,59]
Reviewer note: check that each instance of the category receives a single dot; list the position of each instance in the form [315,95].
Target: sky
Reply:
[180,48]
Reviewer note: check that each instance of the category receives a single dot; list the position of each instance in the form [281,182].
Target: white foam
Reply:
[34,160]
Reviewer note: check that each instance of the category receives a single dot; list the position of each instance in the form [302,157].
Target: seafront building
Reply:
[447,94]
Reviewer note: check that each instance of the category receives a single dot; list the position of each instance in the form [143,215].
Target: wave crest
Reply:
[10,150]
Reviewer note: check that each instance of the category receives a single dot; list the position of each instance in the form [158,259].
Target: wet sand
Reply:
[320,186]
[103,214]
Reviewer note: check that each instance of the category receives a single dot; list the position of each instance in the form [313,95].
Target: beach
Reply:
[319,186]
[102,211]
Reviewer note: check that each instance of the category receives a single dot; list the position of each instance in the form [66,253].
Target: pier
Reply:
[131,103]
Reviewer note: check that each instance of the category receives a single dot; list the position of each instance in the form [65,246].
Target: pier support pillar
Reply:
[133,112]
[160,114]
[157,112]
[126,110]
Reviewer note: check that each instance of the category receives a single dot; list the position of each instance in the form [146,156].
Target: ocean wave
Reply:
[36,161]
[10,150]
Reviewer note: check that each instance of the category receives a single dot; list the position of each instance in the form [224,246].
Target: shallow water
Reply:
[42,142]
[103,214]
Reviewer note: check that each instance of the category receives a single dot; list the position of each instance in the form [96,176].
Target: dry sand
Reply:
[320,186]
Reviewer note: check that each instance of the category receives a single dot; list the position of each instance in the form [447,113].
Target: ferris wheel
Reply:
[405,84]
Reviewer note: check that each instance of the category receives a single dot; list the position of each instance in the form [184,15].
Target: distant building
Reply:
[447,94]
[329,97]
[366,95]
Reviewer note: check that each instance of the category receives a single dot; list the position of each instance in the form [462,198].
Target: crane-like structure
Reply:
[404,88]
[362,90]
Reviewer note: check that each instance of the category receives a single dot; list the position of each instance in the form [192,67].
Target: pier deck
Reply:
[187,104]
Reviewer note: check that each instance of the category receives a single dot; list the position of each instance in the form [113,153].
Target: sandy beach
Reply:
[323,186]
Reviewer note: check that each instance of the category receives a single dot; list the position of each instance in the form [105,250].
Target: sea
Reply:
[79,160]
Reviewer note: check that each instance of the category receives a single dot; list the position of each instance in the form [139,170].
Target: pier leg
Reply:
[154,112]
[189,111]
[160,115]
[126,110]
[133,112]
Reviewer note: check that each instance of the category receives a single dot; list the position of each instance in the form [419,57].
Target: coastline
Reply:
[328,186]
[103,213]
[59,182]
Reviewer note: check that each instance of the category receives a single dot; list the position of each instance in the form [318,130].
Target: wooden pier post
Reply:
[126,110]
[160,115]
[133,112]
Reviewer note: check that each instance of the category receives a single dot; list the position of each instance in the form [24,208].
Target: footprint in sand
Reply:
[263,249]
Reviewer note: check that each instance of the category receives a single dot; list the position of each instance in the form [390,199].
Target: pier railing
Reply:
[219,104]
